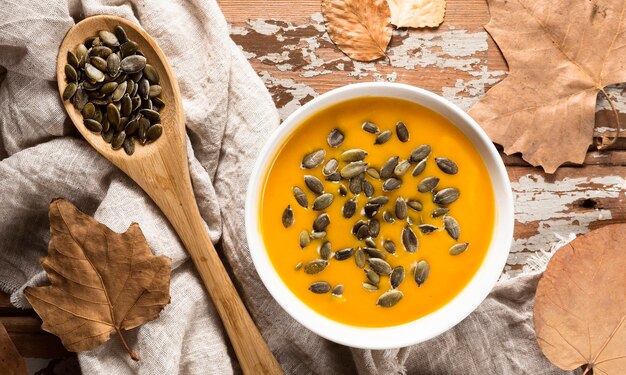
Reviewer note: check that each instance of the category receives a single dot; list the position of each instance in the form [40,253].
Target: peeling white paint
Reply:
[466,93]
[299,91]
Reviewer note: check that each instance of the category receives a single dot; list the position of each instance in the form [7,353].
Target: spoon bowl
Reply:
[161,170]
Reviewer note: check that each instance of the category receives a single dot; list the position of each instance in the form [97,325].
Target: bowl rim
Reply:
[438,321]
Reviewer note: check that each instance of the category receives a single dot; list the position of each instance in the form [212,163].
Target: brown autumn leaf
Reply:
[560,53]
[580,306]
[11,362]
[417,13]
[102,282]
[359,28]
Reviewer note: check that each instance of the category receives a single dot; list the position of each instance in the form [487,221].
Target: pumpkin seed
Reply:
[427,228]
[356,185]
[415,205]
[402,132]
[80,98]
[119,92]
[446,196]
[353,169]
[89,110]
[93,73]
[452,227]
[447,165]
[370,242]
[313,159]
[321,222]
[70,73]
[387,169]
[120,33]
[99,63]
[419,168]
[69,90]
[342,190]
[129,145]
[421,272]
[427,184]
[314,184]
[388,218]
[81,54]
[151,115]
[368,188]
[389,298]
[401,168]
[344,254]
[72,60]
[371,209]
[363,232]
[320,287]
[374,253]
[374,226]
[335,177]
[355,154]
[108,135]
[401,208]
[92,125]
[330,167]
[397,276]
[335,138]
[369,287]
[133,64]
[317,235]
[113,64]
[315,266]
[370,127]
[357,226]
[154,132]
[118,140]
[337,290]
[389,246]
[108,38]
[300,196]
[151,74]
[439,211]
[128,48]
[391,184]
[113,115]
[359,258]
[409,240]
[325,250]
[383,137]
[458,248]
[372,276]
[379,266]
[305,239]
[380,200]
[288,218]
[108,87]
[100,51]
[372,172]
[323,202]
[420,153]
[349,208]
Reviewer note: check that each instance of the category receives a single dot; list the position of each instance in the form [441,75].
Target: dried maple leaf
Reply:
[560,53]
[359,28]
[580,307]
[101,281]
[417,13]
[11,362]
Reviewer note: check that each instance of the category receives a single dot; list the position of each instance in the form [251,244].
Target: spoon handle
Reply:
[251,349]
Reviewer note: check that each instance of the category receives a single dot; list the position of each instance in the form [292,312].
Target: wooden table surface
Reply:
[286,44]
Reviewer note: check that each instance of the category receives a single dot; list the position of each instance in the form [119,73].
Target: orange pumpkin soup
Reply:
[448,275]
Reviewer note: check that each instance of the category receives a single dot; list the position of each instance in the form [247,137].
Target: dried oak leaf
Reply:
[417,13]
[580,306]
[11,362]
[560,53]
[101,281]
[359,28]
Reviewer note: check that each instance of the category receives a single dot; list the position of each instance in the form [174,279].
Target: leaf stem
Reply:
[132,353]
[603,142]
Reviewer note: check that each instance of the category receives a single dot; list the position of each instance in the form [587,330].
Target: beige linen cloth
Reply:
[229,114]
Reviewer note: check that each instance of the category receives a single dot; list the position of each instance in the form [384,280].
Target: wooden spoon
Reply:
[161,169]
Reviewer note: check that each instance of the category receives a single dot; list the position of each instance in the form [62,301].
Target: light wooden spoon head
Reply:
[171,144]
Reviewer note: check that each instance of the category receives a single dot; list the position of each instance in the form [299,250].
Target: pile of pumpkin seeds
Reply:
[353,176]
[116,90]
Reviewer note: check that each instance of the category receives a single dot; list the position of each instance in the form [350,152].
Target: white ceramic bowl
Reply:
[436,322]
